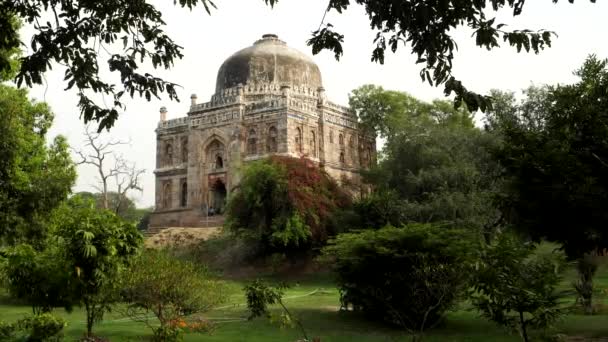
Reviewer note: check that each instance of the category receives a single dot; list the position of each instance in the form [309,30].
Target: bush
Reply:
[39,278]
[284,204]
[167,334]
[170,289]
[7,331]
[515,287]
[406,276]
[43,328]
[38,328]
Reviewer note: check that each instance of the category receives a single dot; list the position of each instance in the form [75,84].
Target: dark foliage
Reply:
[427,27]
[555,158]
[132,33]
[405,276]
[78,33]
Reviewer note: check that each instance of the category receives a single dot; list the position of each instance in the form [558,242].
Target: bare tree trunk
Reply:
[90,318]
[522,323]
[586,268]
[125,174]
[104,181]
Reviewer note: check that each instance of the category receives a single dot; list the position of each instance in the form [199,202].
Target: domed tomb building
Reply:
[269,100]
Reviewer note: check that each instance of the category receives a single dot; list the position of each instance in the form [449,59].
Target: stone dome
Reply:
[268,60]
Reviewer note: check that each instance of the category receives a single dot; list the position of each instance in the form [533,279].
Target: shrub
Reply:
[38,328]
[39,278]
[406,276]
[167,334]
[7,331]
[284,204]
[170,289]
[43,328]
[515,287]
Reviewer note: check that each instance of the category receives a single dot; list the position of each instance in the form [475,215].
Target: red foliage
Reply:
[313,193]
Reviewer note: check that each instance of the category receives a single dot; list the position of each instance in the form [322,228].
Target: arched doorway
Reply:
[217,200]
[215,156]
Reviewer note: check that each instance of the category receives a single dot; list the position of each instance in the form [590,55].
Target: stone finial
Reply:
[163,113]
[270,36]
[193,99]
[285,90]
[321,95]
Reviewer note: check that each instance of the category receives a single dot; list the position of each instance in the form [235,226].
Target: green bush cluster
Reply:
[408,276]
[37,328]
[412,275]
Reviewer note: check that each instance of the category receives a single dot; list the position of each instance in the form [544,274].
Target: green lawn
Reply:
[316,302]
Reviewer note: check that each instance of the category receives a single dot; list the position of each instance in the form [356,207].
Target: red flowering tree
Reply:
[285,203]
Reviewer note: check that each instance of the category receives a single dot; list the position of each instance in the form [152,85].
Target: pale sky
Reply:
[208,40]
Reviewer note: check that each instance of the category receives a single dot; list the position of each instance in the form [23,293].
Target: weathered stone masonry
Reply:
[269,100]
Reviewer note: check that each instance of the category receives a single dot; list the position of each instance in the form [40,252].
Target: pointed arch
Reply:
[252,143]
[167,198]
[184,194]
[215,152]
[298,139]
[168,160]
[184,149]
[272,144]
[313,143]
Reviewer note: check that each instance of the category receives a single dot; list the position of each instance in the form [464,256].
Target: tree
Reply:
[170,289]
[129,32]
[39,278]
[516,288]
[34,178]
[125,175]
[426,26]
[80,32]
[554,152]
[285,204]
[98,247]
[408,276]
[9,55]
[436,165]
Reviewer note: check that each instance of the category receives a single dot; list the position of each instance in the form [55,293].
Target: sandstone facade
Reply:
[269,100]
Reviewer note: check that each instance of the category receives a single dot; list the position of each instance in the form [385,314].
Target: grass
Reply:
[315,301]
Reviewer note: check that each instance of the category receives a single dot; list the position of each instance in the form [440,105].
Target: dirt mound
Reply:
[177,236]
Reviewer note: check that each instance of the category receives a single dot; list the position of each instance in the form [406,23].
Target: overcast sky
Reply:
[208,40]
